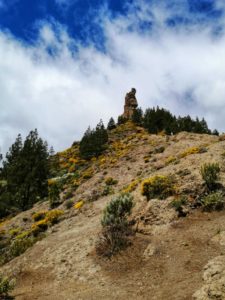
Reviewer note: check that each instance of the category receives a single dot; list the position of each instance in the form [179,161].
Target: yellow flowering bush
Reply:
[131,187]
[73,160]
[111,181]
[51,181]
[88,174]
[79,204]
[170,160]
[53,216]
[158,186]
[39,226]
[39,215]
[23,235]
[192,150]
[14,232]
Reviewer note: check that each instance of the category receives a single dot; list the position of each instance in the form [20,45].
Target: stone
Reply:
[130,104]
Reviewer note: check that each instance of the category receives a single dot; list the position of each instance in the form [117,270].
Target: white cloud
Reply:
[62,94]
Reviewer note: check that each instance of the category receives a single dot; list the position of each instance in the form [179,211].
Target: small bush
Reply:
[68,204]
[6,286]
[88,174]
[107,190]
[210,174]
[160,149]
[38,216]
[131,187]
[116,227]
[39,227]
[22,235]
[170,160]
[19,246]
[79,204]
[158,186]
[53,216]
[111,181]
[213,201]
[193,150]
[68,194]
[54,194]
[178,205]
[14,232]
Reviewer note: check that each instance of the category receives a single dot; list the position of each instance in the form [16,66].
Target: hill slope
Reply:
[168,253]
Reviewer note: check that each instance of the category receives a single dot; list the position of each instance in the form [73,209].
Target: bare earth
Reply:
[168,255]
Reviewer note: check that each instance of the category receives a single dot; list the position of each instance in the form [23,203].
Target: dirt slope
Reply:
[168,255]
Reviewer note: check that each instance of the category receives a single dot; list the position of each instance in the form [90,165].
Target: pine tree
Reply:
[94,141]
[26,170]
[137,117]
[121,120]
[215,132]
[111,124]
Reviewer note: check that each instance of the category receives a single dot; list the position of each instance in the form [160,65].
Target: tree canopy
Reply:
[26,170]
[94,141]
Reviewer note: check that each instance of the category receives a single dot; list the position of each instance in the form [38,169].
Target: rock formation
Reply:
[130,104]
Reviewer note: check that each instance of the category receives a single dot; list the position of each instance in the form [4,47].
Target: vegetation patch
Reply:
[39,216]
[115,226]
[193,150]
[111,181]
[170,160]
[52,217]
[179,205]
[158,186]
[213,201]
[6,286]
[54,189]
[210,174]
[68,204]
[131,187]
[79,204]
[107,190]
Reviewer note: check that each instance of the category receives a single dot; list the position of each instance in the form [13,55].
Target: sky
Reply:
[66,64]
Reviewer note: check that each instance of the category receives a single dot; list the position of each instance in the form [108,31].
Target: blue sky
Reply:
[23,17]
[64,64]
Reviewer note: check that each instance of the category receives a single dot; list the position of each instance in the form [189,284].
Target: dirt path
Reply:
[64,266]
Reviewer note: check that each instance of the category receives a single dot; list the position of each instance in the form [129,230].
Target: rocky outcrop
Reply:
[130,104]
[214,280]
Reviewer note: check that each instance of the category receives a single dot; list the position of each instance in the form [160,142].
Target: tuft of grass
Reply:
[213,201]
[210,174]
[6,286]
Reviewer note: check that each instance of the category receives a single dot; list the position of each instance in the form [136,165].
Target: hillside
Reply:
[171,257]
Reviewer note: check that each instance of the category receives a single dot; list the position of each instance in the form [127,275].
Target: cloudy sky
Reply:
[64,64]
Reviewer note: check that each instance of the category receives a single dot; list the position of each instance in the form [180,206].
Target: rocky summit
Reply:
[130,104]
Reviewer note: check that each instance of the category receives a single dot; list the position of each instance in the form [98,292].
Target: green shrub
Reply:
[54,194]
[107,190]
[68,194]
[6,286]
[38,216]
[14,232]
[69,203]
[210,174]
[116,227]
[213,201]
[178,205]
[158,186]
[160,149]
[19,246]
[53,216]
[111,181]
